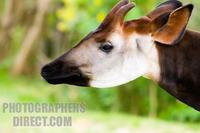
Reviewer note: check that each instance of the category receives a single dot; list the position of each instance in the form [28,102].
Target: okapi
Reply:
[157,46]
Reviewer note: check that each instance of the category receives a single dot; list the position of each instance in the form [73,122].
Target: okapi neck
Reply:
[180,69]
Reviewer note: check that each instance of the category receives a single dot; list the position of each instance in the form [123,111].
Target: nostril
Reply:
[51,69]
[46,70]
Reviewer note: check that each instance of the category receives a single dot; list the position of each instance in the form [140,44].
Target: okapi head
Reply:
[120,51]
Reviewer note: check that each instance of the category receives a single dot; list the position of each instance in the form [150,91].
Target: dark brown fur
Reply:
[180,69]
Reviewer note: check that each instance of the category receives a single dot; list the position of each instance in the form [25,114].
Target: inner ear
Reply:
[159,22]
[173,31]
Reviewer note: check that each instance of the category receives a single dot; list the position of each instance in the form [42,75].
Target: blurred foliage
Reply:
[73,11]
[66,23]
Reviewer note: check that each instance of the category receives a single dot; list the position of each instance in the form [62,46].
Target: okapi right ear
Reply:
[165,7]
[173,31]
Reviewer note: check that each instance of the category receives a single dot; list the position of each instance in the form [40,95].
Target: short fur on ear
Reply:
[173,31]
[167,6]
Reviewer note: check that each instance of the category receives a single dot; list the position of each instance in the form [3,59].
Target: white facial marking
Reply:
[152,57]
[131,58]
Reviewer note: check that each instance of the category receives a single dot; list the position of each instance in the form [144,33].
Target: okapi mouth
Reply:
[59,77]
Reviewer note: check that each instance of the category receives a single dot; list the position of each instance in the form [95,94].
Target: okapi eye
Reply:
[106,47]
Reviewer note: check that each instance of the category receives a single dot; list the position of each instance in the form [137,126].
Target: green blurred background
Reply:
[34,32]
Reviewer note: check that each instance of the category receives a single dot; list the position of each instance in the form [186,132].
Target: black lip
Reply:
[70,78]
[68,73]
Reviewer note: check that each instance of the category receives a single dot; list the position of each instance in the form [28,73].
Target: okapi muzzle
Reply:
[157,46]
[61,71]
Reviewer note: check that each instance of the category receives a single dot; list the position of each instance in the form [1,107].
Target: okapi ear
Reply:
[167,6]
[173,31]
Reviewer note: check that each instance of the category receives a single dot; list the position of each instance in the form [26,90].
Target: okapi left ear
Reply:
[173,31]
